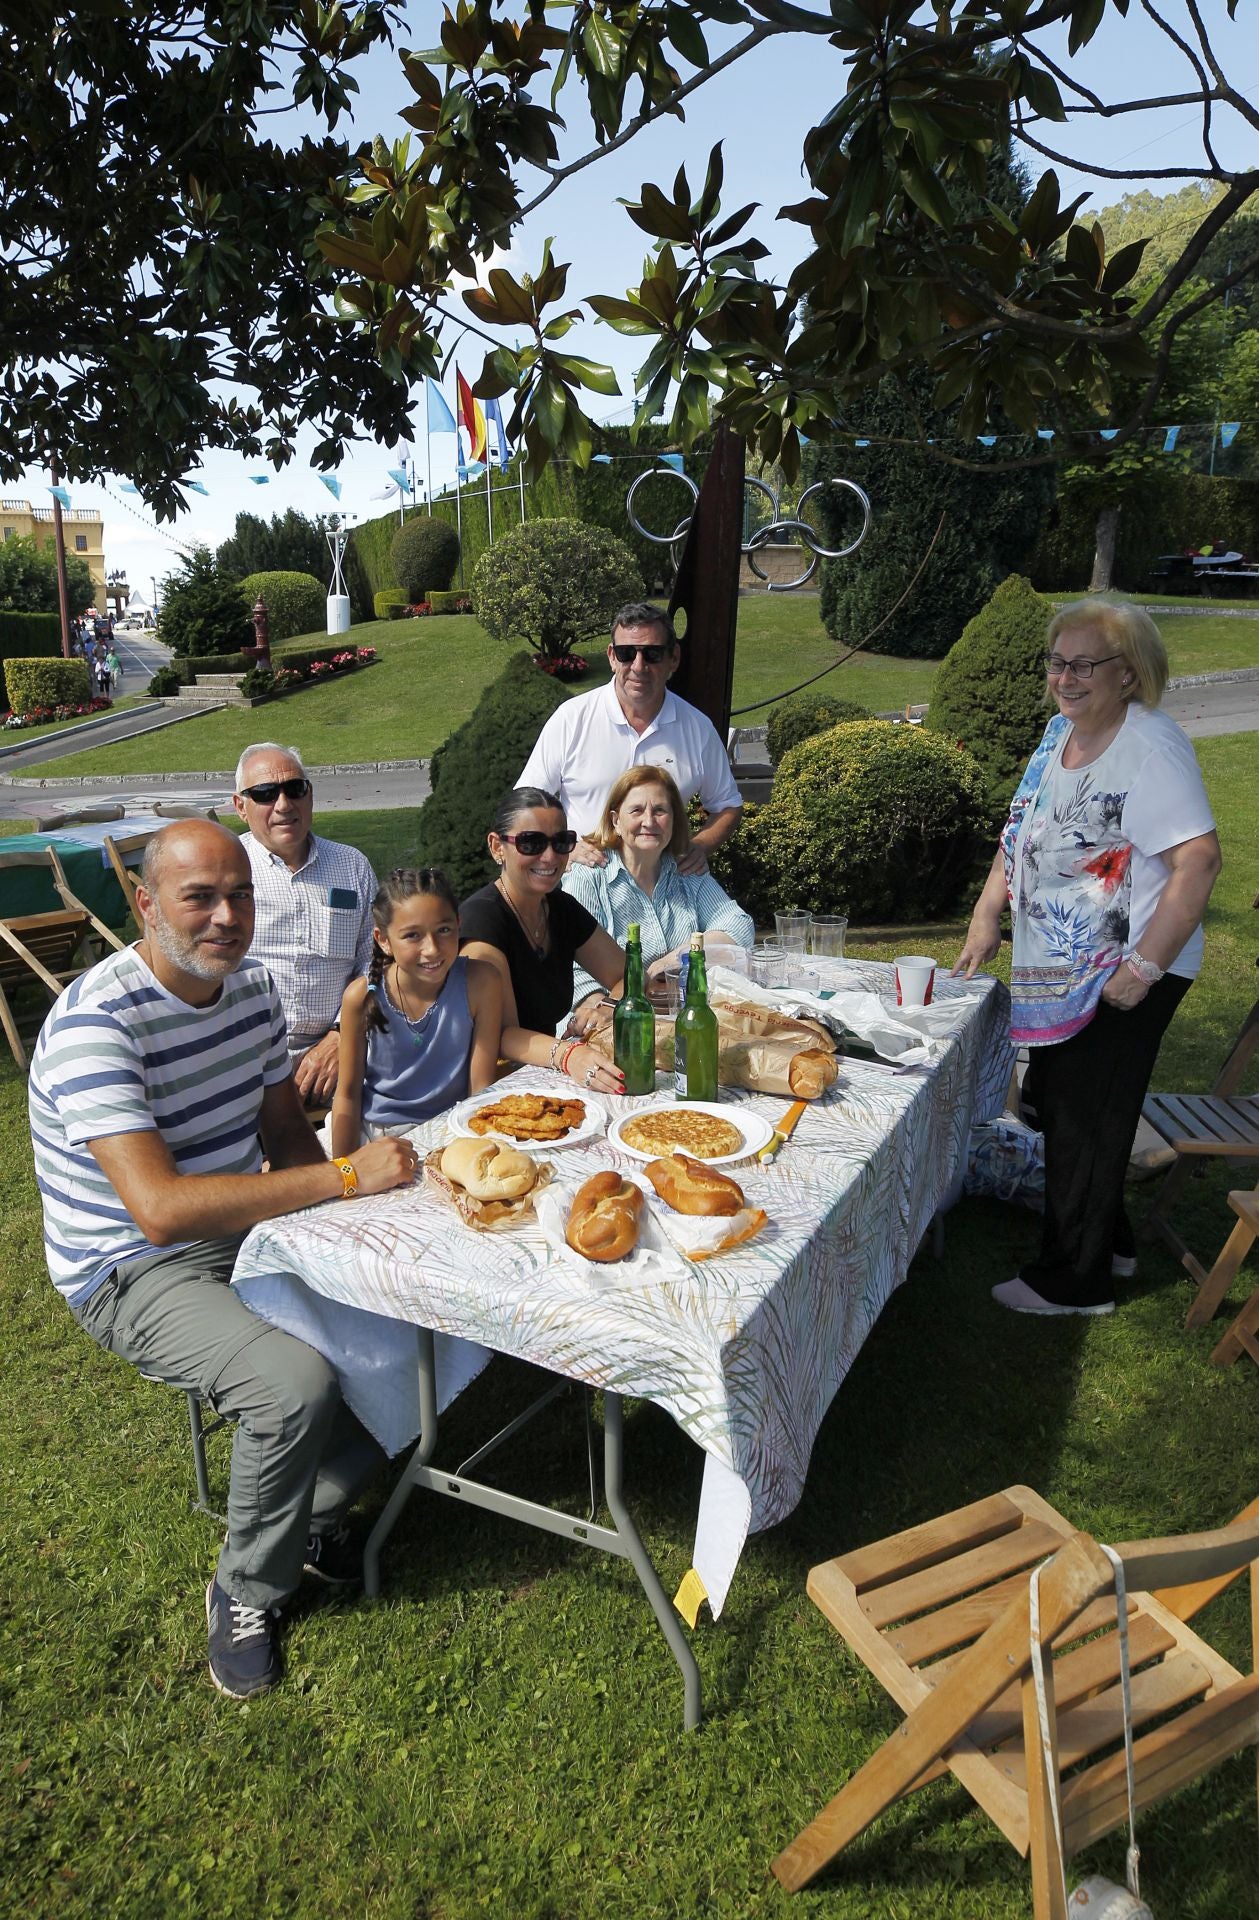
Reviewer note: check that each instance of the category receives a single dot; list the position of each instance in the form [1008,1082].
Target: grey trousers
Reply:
[299,1456]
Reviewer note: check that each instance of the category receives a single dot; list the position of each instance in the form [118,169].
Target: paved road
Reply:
[1217,706]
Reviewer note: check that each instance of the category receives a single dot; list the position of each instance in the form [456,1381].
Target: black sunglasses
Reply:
[267,792]
[532,843]
[624,656]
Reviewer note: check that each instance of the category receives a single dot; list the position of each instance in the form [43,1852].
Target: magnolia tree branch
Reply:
[557,175]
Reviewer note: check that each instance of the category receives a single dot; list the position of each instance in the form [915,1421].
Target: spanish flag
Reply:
[471,419]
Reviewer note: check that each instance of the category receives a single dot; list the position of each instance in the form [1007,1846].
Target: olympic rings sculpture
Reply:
[794,524]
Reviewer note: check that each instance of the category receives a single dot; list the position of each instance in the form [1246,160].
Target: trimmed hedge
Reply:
[453,602]
[390,603]
[989,694]
[881,821]
[295,602]
[476,766]
[798,720]
[424,554]
[29,636]
[43,682]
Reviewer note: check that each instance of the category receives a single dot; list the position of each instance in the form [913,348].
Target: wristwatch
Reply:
[1144,969]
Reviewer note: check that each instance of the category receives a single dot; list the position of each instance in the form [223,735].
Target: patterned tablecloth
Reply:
[745,1352]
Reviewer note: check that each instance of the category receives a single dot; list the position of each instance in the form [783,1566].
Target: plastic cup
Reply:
[803,979]
[826,936]
[767,965]
[915,979]
[792,929]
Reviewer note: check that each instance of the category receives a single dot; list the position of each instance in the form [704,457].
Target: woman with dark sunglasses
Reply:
[531,933]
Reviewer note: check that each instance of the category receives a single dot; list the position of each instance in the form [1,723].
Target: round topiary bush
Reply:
[295,602]
[479,763]
[880,821]
[554,583]
[797,720]
[425,553]
[989,693]
[165,683]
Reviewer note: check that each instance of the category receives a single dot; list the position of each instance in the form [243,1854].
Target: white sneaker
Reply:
[1020,1298]
[1123,1266]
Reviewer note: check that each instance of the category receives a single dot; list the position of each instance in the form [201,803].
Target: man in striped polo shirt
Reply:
[312,909]
[154,1076]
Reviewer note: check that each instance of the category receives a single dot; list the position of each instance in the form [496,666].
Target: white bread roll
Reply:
[489,1171]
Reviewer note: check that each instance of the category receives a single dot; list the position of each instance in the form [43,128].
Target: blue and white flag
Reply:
[440,418]
[399,476]
[1228,432]
[333,485]
[60,495]
[494,418]
[1108,433]
[1170,435]
[197,487]
[261,479]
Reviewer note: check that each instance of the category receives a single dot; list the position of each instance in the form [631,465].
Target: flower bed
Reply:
[264,683]
[40,716]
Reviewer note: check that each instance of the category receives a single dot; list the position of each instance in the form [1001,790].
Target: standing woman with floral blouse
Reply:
[1107,862]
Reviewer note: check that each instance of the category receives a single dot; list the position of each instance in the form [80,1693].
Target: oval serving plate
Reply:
[594,1124]
[756,1130]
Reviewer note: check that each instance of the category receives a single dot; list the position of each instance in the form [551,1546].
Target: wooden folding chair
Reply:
[50,948]
[1222,1124]
[121,850]
[1243,1334]
[941,1615]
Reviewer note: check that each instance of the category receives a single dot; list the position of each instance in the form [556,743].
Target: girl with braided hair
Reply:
[422,1030]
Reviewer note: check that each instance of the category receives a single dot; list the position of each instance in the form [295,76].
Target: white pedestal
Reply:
[338,613]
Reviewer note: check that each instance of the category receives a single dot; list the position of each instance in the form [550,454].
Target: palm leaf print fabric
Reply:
[746,1352]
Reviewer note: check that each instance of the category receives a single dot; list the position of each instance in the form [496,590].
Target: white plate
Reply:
[592,1126]
[757,1131]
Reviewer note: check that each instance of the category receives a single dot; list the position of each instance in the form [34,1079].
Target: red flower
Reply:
[1110,867]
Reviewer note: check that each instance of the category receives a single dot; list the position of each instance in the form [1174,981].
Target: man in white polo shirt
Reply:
[312,907]
[634,722]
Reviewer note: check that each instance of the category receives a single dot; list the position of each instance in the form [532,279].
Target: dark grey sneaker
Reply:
[244,1655]
[336,1558]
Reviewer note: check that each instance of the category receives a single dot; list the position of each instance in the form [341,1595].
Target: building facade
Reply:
[84,535]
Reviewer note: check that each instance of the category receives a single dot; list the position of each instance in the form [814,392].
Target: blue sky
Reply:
[759,110]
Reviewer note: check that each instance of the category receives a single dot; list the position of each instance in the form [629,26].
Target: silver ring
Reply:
[590,1075]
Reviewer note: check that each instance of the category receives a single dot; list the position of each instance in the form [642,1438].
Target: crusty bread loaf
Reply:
[489,1171]
[606,1217]
[811,1073]
[689,1186]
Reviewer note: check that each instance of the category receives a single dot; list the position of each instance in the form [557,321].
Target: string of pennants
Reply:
[476,419]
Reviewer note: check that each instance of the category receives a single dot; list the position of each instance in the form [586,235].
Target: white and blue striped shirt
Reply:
[680,904]
[119,1054]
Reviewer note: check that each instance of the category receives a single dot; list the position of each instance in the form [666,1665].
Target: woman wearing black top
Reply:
[531,933]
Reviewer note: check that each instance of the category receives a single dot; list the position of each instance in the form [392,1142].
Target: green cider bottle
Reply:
[634,1022]
[695,1034]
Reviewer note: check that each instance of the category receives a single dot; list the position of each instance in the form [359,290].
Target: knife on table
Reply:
[783,1131]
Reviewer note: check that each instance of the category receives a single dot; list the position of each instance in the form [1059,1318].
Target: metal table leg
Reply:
[622,1539]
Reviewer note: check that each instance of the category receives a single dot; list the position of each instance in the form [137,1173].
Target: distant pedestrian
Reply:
[100,671]
[114,666]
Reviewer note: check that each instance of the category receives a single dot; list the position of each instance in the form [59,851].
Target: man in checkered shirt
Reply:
[313,909]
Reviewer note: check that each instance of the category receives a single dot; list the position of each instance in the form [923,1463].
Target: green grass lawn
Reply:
[501,1733]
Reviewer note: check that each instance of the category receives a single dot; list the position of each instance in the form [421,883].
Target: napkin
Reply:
[652,1261]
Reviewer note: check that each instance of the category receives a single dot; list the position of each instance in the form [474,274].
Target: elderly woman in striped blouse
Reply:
[643,831]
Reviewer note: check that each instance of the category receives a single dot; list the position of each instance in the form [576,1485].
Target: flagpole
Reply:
[428,445]
[489,492]
[521,471]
